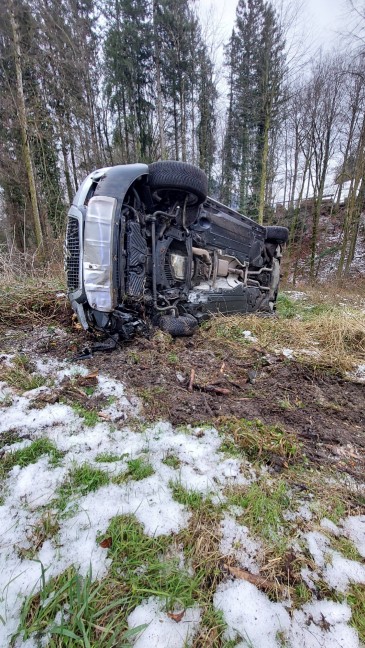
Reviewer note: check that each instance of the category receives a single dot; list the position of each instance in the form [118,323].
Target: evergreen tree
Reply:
[256,69]
[207,121]
[128,57]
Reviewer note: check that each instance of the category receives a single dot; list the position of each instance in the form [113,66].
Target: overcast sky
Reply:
[321,20]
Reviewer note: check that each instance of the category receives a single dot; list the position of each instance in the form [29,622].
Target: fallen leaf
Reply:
[92,374]
[106,543]
[176,617]
[257,580]
[90,379]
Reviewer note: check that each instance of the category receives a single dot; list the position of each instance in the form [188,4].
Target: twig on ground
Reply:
[191,381]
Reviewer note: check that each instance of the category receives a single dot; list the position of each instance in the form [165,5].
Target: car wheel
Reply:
[187,179]
[277,234]
[181,326]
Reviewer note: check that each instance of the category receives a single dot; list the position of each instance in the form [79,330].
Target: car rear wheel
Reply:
[186,179]
[275,233]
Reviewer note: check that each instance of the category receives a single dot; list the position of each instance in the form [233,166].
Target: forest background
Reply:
[279,132]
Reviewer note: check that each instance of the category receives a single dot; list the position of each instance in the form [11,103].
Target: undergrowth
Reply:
[21,375]
[322,334]
[258,441]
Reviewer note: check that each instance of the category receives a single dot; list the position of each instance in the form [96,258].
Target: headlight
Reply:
[98,246]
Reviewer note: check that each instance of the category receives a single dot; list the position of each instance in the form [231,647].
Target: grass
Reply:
[27,292]
[150,566]
[105,457]
[9,437]
[87,617]
[154,403]
[29,455]
[212,629]
[139,469]
[95,613]
[172,461]
[192,499]
[356,600]
[333,334]
[90,417]
[346,548]
[264,505]
[286,307]
[46,528]
[302,594]
[6,400]
[80,481]
[258,441]
[21,374]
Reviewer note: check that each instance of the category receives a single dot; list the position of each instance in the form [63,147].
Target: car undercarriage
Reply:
[145,244]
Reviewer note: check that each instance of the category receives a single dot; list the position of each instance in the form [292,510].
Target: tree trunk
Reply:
[24,128]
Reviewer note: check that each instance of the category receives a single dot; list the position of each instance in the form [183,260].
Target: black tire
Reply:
[181,326]
[277,234]
[169,175]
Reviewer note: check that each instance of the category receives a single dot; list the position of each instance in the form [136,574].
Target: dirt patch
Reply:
[195,380]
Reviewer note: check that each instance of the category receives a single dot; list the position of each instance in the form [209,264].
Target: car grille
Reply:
[72,254]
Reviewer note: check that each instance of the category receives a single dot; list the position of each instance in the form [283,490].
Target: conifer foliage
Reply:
[256,65]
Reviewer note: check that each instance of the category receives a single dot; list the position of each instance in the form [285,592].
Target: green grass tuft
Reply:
[105,457]
[172,461]
[148,565]
[88,617]
[193,499]
[9,437]
[356,600]
[29,455]
[264,506]
[286,307]
[90,417]
[80,481]
[139,469]
[21,375]
[346,548]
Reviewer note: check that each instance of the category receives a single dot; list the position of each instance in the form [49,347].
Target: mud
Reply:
[323,409]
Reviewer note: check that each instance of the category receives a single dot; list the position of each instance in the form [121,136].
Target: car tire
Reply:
[170,175]
[277,234]
[181,326]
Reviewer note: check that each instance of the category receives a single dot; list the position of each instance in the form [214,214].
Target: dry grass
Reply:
[334,338]
[32,301]
[259,441]
[29,284]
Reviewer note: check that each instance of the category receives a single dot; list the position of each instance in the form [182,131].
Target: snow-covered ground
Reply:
[249,614]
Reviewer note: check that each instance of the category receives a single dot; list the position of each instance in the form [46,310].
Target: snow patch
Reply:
[288,353]
[295,295]
[248,336]
[250,615]
[236,542]
[162,631]
[260,623]
[329,526]
[354,529]
[323,624]
[337,571]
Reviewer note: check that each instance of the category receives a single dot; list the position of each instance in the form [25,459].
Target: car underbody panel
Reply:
[146,244]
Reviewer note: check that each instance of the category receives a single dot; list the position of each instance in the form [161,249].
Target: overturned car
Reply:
[145,244]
